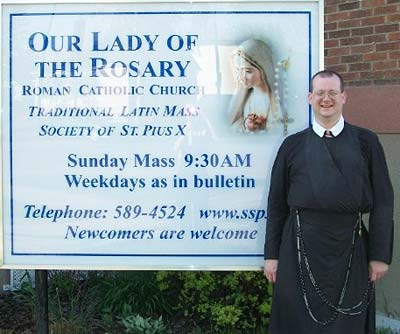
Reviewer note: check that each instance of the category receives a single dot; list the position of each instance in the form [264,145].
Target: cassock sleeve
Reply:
[381,215]
[278,209]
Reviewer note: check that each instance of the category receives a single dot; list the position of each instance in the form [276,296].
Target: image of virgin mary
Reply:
[255,106]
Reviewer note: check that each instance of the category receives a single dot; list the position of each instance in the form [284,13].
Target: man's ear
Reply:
[344,97]
[310,96]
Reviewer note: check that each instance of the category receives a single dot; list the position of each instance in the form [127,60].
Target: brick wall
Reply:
[362,41]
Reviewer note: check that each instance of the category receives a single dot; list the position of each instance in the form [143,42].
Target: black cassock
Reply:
[319,187]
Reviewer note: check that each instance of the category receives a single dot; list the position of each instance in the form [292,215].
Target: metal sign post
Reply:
[42,303]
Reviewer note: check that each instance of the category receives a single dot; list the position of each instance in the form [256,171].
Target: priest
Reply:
[327,181]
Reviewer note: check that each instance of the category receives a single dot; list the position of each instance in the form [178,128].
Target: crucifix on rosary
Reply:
[285,120]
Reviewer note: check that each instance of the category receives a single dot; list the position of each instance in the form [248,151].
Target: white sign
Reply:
[142,135]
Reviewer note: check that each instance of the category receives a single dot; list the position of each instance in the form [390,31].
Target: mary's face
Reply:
[250,76]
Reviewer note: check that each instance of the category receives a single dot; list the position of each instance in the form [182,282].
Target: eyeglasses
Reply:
[332,94]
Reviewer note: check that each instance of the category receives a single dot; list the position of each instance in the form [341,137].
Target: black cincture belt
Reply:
[326,218]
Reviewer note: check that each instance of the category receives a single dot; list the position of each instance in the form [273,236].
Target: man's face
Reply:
[326,99]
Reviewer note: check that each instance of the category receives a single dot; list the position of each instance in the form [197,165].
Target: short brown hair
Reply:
[327,74]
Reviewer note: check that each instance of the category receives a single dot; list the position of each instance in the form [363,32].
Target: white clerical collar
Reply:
[336,129]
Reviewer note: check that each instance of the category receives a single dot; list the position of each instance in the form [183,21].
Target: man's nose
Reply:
[326,96]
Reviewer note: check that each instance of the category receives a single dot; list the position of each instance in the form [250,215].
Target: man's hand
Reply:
[270,269]
[377,269]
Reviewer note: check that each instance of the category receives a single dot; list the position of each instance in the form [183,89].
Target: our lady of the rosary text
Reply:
[101,67]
